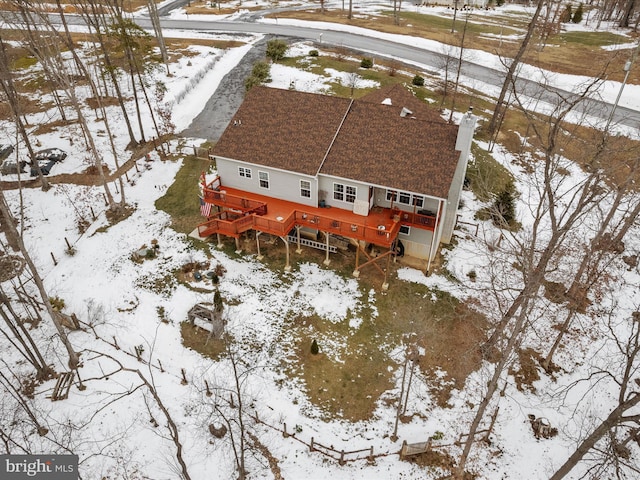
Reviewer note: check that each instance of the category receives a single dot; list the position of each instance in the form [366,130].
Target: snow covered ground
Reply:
[109,424]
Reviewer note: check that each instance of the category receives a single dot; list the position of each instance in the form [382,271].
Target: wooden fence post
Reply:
[311,447]
[286,435]
[93,215]
[341,461]
[370,457]
[184,377]
[160,364]
[206,384]
[55,262]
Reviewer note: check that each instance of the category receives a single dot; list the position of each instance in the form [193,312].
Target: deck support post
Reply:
[220,244]
[259,257]
[299,249]
[327,261]
[238,247]
[287,266]
[385,285]
[356,272]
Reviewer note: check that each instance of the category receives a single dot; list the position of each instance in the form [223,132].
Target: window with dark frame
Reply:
[244,172]
[418,201]
[305,189]
[404,198]
[345,193]
[405,229]
[264,179]
[392,195]
[351,193]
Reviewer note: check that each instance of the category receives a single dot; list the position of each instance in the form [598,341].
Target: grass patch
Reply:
[354,368]
[349,374]
[198,339]
[593,39]
[181,199]
[486,176]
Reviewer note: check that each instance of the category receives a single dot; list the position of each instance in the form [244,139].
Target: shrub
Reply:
[314,347]
[418,81]
[577,16]
[259,75]
[314,53]
[276,49]
[503,212]
[261,70]
[366,62]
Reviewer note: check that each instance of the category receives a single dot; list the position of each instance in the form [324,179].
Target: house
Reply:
[381,170]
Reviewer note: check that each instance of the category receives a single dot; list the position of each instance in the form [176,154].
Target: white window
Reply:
[264,179]
[405,229]
[244,172]
[344,193]
[404,198]
[351,194]
[391,195]
[418,201]
[305,189]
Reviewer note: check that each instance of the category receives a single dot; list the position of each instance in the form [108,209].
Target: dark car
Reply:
[51,154]
[47,159]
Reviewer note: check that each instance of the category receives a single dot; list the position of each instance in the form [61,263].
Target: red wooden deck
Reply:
[244,211]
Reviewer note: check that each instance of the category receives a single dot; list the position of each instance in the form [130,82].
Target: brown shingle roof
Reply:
[293,131]
[401,97]
[283,129]
[375,146]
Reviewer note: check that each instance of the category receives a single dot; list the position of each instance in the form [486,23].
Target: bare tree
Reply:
[605,244]
[623,373]
[13,98]
[74,359]
[514,65]
[157,28]
[557,209]
[459,67]
[20,338]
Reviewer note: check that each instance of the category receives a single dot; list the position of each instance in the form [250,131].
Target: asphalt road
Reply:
[489,74]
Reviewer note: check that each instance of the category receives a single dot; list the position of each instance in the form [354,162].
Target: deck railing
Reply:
[251,216]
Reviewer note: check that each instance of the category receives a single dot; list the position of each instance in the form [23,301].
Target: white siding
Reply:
[282,185]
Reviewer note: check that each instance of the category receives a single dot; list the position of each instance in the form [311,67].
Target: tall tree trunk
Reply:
[8,87]
[588,443]
[157,28]
[513,67]
[74,359]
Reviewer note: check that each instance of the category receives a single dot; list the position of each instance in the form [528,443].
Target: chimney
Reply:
[465,132]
